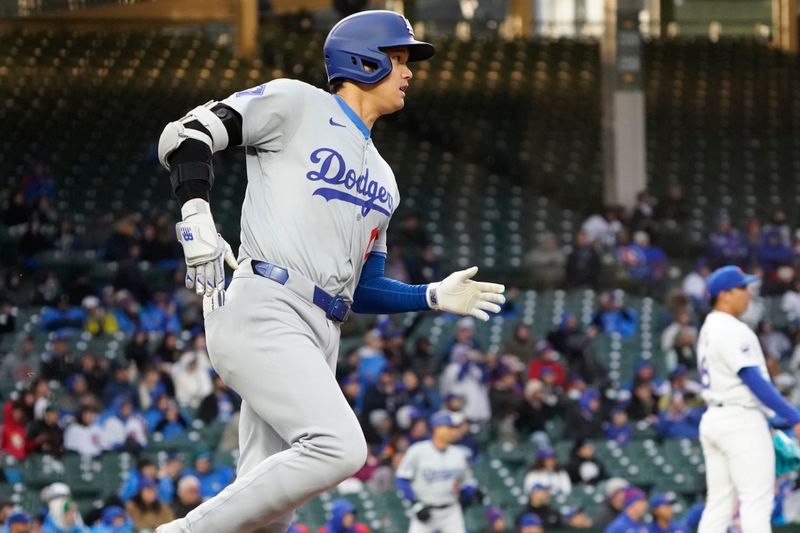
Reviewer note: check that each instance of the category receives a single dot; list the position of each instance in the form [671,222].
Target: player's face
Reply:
[445,433]
[638,509]
[390,93]
[663,512]
[740,299]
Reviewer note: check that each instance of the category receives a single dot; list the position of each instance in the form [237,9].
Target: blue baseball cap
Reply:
[678,371]
[727,278]
[633,495]
[442,419]
[544,453]
[530,519]
[660,499]
[111,513]
[539,486]
[493,514]
[18,518]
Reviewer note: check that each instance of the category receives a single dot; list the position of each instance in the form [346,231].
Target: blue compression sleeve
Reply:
[404,486]
[377,294]
[769,396]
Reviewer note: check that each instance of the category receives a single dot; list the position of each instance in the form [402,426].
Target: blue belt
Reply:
[334,306]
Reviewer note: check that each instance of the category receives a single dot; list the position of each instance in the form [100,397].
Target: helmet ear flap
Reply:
[363,68]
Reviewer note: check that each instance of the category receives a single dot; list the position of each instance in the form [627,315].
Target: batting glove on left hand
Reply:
[421,511]
[458,293]
[205,250]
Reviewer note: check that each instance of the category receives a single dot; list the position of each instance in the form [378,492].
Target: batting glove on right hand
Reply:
[458,293]
[205,250]
[422,512]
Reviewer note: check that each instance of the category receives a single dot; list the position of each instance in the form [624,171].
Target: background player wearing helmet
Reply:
[314,221]
[435,477]
[734,433]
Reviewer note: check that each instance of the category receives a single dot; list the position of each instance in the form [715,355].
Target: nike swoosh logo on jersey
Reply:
[334,123]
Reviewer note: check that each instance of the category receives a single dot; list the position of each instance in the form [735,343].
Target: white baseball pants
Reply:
[740,465]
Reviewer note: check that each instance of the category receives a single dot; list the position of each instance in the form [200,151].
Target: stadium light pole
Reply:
[624,125]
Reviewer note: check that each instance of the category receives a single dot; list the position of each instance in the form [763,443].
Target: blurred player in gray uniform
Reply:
[313,232]
[436,478]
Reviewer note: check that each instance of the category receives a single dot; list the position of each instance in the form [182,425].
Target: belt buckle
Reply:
[338,309]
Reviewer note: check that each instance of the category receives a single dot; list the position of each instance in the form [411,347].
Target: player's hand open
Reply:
[458,293]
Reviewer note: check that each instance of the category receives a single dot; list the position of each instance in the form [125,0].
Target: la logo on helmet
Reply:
[408,27]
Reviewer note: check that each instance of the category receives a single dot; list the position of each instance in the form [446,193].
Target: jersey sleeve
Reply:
[379,244]
[741,349]
[469,476]
[271,112]
[408,465]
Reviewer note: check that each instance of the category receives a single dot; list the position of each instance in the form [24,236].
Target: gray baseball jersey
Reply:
[436,476]
[310,161]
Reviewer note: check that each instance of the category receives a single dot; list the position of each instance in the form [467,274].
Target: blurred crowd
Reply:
[63,397]
[627,248]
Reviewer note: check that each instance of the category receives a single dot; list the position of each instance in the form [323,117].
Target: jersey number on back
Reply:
[705,377]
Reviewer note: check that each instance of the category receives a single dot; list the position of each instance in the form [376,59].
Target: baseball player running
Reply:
[735,436]
[436,477]
[313,232]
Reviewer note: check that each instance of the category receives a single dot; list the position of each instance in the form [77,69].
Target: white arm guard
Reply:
[176,132]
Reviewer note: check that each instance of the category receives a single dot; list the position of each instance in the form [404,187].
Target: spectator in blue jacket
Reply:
[120,384]
[631,519]
[174,423]
[661,509]
[64,318]
[726,245]
[114,520]
[145,468]
[343,519]
[160,316]
[618,428]
[613,317]
[213,478]
[529,523]
[18,522]
[679,421]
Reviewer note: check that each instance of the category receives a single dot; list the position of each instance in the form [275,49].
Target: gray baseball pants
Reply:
[297,434]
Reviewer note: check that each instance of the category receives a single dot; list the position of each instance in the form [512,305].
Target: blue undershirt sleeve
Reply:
[377,294]
[768,394]
[404,486]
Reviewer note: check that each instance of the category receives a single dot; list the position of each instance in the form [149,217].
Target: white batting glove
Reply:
[213,302]
[458,293]
[205,250]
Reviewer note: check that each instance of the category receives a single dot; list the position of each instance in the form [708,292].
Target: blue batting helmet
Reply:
[354,47]
[441,419]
